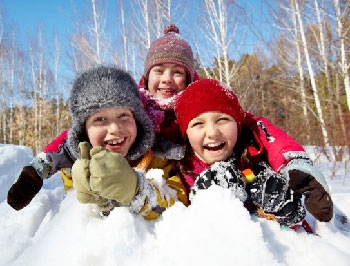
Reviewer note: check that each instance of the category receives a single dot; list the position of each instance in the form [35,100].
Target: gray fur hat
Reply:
[104,87]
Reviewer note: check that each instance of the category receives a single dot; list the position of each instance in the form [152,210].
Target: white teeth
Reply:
[212,145]
[114,142]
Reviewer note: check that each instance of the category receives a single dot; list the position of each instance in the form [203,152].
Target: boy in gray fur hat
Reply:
[111,138]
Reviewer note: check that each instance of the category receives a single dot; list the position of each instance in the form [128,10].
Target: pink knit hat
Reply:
[170,49]
[207,95]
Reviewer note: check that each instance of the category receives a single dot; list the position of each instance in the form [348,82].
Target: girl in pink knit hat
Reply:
[222,149]
[169,69]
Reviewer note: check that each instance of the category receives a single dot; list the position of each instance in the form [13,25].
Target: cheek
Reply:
[133,131]
[232,135]
[181,83]
[152,83]
[195,139]
[95,135]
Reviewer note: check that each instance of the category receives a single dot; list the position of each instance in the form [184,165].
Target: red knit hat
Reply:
[207,95]
[170,49]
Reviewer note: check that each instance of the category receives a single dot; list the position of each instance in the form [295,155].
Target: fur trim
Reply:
[104,87]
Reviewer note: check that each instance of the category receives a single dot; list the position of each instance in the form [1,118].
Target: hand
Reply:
[223,174]
[317,200]
[81,177]
[292,210]
[112,176]
[268,190]
[25,188]
[60,159]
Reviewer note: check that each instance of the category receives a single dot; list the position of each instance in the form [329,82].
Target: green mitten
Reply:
[112,176]
[81,177]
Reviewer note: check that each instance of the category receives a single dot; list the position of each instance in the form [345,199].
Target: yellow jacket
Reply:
[161,188]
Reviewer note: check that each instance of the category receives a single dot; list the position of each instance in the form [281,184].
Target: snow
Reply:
[55,229]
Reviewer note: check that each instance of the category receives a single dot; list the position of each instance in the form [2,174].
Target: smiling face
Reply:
[212,136]
[166,80]
[112,128]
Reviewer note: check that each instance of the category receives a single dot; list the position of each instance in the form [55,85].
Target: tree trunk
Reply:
[311,76]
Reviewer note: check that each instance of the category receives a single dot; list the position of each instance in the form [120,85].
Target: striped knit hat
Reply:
[207,95]
[170,49]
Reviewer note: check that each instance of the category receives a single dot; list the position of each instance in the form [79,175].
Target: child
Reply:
[110,139]
[168,69]
[220,147]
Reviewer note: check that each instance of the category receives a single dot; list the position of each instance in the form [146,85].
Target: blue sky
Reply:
[28,14]
[55,14]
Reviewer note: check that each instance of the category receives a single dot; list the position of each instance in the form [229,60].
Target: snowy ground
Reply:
[215,230]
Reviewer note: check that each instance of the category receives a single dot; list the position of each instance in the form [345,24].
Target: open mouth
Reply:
[166,91]
[214,146]
[115,142]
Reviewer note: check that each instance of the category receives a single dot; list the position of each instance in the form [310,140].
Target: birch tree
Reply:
[289,54]
[11,88]
[322,43]
[301,72]
[342,65]
[342,29]
[311,73]
[89,41]
[219,29]
[40,85]
[2,81]
[148,20]
[124,35]
[20,116]
[56,75]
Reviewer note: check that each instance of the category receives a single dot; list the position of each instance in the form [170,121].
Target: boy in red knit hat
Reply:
[223,150]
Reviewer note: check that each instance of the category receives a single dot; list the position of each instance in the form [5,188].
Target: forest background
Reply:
[288,61]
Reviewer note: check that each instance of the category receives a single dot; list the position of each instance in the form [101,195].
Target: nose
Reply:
[166,77]
[212,130]
[113,127]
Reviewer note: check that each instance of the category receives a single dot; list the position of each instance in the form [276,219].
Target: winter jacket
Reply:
[158,196]
[283,153]
[160,188]
[270,142]
[250,179]
[168,139]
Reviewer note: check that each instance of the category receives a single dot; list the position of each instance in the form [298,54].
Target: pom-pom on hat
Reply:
[207,95]
[170,49]
[105,87]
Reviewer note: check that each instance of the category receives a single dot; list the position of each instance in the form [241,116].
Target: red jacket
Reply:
[280,148]
[271,144]
[53,146]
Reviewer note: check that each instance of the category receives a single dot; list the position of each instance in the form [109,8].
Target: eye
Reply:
[125,116]
[223,118]
[157,70]
[179,72]
[196,124]
[99,119]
